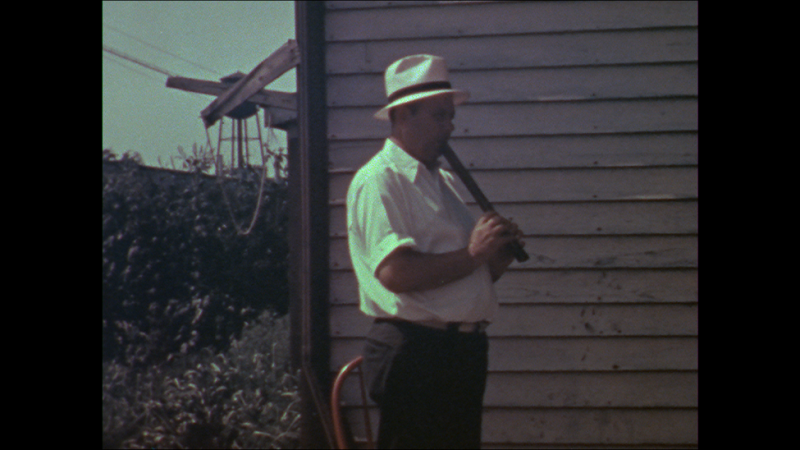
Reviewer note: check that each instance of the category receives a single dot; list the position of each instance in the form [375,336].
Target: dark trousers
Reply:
[428,383]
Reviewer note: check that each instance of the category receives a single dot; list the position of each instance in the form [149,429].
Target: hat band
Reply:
[432,86]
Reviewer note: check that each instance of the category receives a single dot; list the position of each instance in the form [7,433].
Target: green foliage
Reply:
[244,397]
[195,331]
[176,273]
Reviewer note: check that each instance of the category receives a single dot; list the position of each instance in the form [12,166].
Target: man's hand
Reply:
[490,238]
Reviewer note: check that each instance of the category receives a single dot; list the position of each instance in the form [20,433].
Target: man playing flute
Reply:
[425,268]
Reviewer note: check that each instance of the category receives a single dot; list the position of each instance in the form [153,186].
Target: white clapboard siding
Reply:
[601,252]
[545,152]
[571,286]
[560,320]
[549,354]
[545,118]
[582,126]
[517,51]
[581,389]
[498,18]
[585,428]
[572,393]
[640,183]
[537,84]
[579,218]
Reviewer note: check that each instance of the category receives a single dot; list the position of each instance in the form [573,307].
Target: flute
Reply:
[519,253]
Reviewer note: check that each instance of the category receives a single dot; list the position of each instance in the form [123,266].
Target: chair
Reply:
[353,366]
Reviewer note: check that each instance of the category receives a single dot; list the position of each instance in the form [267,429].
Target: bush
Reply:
[195,331]
[176,273]
[245,397]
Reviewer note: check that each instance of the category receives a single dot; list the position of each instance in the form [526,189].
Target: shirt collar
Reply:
[405,163]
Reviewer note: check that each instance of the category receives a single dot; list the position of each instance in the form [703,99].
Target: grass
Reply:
[245,397]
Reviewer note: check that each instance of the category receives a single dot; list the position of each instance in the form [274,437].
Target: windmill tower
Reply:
[238,136]
[239,97]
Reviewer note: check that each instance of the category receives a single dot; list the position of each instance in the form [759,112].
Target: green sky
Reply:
[205,40]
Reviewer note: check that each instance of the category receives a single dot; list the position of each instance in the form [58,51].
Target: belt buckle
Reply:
[468,327]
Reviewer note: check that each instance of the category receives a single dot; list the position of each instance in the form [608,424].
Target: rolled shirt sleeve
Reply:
[376,219]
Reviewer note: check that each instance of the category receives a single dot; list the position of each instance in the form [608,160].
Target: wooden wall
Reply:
[582,126]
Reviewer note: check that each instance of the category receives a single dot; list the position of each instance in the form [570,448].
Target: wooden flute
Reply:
[519,253]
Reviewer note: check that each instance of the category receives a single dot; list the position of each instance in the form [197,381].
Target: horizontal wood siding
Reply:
[622,184]
[518,51]
[582,126]
[547,152]
[569,286]
[545,118]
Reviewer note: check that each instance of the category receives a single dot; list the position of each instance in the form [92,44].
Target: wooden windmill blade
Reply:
[263,97]
[275,65]
[281,106]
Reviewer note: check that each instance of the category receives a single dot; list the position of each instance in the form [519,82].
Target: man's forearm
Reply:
[407,270]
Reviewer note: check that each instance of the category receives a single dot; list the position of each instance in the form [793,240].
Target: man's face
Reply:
[427,131]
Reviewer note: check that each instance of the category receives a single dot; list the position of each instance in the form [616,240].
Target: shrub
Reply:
[176,273]
[195,332]
[245,397]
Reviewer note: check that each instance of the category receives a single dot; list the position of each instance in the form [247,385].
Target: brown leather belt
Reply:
[461,327]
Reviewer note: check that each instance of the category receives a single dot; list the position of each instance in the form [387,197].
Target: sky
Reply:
[195,39]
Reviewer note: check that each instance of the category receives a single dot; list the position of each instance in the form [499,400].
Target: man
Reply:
[425,269]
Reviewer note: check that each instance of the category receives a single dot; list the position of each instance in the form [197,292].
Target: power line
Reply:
[134,60]
[161,50]
[144,74]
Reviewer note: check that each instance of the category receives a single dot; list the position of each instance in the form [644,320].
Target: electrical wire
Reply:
[138,72]
[161,49]
[118,53]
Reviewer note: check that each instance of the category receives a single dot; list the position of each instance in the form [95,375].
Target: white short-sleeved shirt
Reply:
[394,201]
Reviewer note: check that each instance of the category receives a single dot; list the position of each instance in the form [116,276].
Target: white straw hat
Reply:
[416,77]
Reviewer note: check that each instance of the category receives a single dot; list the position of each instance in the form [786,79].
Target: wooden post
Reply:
[308,199]
[238,141]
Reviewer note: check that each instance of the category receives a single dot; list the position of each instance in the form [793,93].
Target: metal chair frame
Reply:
[354,366]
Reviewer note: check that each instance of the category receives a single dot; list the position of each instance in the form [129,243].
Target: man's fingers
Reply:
[489,216]
[499,229]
